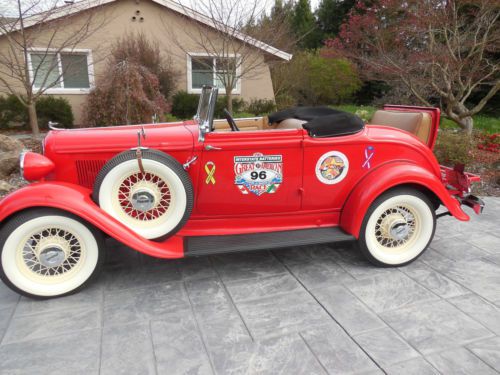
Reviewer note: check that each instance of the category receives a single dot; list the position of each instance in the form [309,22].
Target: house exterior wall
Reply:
[158,24]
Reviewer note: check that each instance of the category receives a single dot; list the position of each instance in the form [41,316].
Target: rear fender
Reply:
[388,176]
[76,200]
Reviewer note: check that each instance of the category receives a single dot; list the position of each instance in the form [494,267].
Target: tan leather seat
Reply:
[417,123]
[291,123]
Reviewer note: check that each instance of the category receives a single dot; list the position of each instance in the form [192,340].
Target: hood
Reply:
[165,137]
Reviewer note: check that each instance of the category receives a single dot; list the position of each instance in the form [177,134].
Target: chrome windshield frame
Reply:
[205,116]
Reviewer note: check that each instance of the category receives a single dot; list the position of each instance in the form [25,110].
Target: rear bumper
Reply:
[458,184]
[457,181]
[477,204]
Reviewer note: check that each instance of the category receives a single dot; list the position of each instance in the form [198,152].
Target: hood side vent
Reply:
[87,171]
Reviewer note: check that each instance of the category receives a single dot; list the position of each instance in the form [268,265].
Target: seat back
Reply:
[417,123]
[290,123]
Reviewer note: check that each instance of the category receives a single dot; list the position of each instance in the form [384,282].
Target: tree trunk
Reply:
[229,100]
[454,110]
[33,119]
[467,124]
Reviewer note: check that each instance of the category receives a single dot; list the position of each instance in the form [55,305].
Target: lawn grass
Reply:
[488,124]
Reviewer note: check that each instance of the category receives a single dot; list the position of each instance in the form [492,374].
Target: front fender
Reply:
[386,177]
[76,200]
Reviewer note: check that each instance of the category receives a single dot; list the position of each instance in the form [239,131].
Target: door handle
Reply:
[210,147]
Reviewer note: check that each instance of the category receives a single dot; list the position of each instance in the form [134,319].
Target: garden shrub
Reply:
[453,146]
[244,115]
[489,142]
[312,79]
[12,112]
[331,80]
[131,92]
[238,105]
[260,107]
[185,105]
[144,52]
[49,108]
[284,101]
[170,118]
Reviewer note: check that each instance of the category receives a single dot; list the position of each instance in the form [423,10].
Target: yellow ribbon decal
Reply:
[210,169]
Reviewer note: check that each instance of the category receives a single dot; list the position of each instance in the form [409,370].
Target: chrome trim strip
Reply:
[188,163]
[53,126]
[21,162]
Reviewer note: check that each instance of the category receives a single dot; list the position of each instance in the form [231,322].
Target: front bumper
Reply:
[477,204]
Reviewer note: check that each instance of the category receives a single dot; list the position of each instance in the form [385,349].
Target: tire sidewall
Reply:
[18,229]
[161,164]
[427,226]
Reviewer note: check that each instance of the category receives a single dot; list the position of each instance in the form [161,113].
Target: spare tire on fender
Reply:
[154,204]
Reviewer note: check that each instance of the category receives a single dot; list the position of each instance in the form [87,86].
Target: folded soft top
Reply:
[322,121]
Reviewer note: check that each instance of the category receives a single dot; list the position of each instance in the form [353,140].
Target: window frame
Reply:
[222,90]
[72,51]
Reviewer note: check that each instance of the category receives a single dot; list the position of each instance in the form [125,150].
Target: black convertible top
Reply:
[321,121]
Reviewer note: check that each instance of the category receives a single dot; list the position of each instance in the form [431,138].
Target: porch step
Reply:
[205,245]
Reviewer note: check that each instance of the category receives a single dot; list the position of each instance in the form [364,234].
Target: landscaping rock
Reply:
[10,149]
[5,187]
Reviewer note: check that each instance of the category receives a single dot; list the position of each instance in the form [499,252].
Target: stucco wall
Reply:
[158,24]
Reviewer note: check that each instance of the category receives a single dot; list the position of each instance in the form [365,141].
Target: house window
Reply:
[208,70]
[63,72]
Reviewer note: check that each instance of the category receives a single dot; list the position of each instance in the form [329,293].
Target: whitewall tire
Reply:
[154,204]
[48,253]
[397,228]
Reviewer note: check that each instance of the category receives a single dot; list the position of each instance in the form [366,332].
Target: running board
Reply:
[205,245]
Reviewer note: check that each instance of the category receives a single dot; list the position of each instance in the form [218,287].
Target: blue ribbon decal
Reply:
[369,152]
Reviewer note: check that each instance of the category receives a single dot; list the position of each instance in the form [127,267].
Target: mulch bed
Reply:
[487,165]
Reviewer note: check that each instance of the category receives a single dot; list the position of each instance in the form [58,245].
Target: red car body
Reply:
[396,158]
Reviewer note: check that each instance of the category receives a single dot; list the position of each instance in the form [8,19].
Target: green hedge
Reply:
[185,105]
[48,108]
[260,107]
[12,112]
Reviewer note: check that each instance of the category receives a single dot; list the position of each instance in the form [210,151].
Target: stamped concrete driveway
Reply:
[309,310]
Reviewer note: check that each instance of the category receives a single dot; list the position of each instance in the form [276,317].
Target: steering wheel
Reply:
[230,121]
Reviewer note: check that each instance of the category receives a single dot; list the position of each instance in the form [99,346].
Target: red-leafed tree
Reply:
[445,50]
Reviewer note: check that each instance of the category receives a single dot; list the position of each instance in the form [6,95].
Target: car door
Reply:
[250,172]
[332,166]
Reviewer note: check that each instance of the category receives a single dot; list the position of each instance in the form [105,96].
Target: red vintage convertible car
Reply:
[299,176]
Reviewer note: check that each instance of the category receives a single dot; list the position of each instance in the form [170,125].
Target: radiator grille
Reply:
[87,171]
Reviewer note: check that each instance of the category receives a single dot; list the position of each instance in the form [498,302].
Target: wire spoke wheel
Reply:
[52,252]
[144,196]
[397,228]
[48,253]
[154,204]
